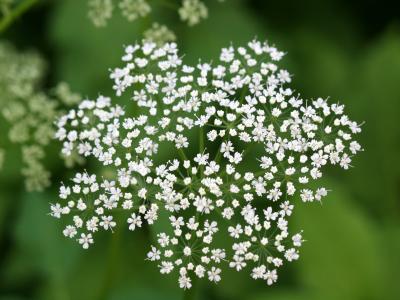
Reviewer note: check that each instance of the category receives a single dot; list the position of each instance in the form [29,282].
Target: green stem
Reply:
[17,12]
[182,154]
[201,140]
[201,147]
[111,265]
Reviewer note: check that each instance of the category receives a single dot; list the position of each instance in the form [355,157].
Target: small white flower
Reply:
[213,274]
[271,277]
[85,240]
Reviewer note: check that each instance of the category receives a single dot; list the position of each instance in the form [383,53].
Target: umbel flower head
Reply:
[159,34]
[100,11]
[225,149]
[28,112]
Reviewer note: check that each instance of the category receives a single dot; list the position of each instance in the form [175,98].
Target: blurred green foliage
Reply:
[348,51]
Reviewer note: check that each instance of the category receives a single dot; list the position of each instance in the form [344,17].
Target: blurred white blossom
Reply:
[159,34]
[100,12]
[133,9]
[192,11]
[28,111]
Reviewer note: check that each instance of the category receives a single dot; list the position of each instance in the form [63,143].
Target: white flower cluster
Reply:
[100,11]
[133,9]
[159,34]
[28,112]
[226,149]
[192,11]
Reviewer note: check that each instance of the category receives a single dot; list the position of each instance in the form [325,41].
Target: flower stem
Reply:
[14,14]
[201,147]
[201,140]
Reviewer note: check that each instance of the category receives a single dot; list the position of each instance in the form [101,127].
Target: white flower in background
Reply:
[159,34]
[225,149]
[29,111]
[133,9]
[100,11]
[192,11]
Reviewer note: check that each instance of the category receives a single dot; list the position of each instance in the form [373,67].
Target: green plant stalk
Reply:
[201,147]
[15,13]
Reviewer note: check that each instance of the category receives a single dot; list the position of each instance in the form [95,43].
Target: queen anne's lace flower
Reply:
[192,11]
[29,112]
[100,11]
[224,148]
[133,9]
[159,34]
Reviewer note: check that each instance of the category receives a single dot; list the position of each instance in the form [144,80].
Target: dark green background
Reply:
[346,50]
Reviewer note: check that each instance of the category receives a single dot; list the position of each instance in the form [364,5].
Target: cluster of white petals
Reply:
[193,11]
[226,149]
[159,34]
[27,113]
[100,12]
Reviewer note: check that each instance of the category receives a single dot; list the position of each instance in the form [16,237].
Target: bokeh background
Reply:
[346,50]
